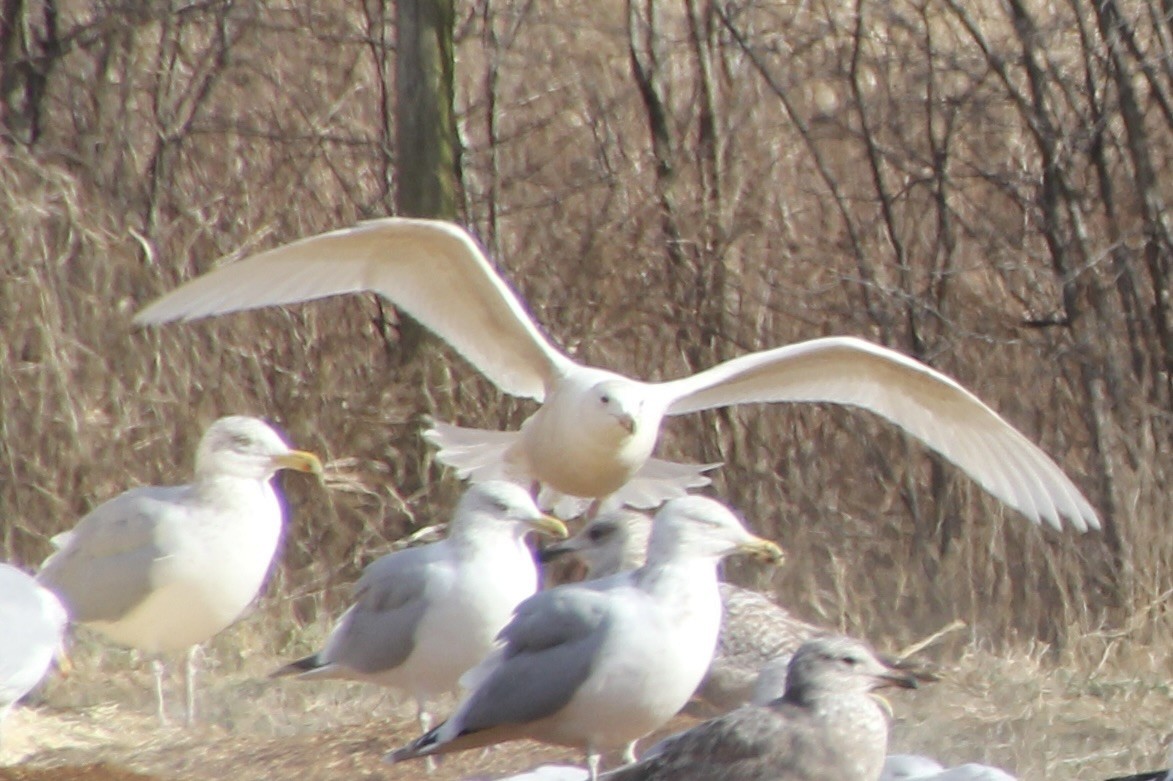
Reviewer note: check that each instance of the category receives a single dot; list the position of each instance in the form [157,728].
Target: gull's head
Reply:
[247,447]
[619,404]
[615,541]
[498,504]
[837,665]
[699,527]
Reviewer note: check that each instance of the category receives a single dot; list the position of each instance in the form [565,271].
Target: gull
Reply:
[33,621]
[166,568]
[423,616]
[600,664]
[912,767]
[755,631]
[593,435]
[826,726]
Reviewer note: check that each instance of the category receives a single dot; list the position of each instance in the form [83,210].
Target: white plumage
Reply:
[595,431]
[423,616]
[166,568]
[597,665]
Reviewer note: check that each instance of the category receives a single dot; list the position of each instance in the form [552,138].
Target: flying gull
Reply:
[599,664]
[826,726]
[423,616]
[594,434]
[755,631]
[166,568]
[33,621]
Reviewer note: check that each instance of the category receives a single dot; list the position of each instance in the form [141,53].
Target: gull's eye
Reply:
[598,532]
[850,661]
[606,399]
[242,441]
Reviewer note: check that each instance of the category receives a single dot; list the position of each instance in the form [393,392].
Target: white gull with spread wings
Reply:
[594,434]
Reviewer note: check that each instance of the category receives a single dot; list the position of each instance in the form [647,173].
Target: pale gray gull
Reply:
[165,568]
[32,628]
[597,665]
[913,767]
[826,726]
[423,616]
[755,631]
[594,434]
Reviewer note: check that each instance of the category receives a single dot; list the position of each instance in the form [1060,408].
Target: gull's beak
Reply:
[761,548]
[547,524]
[895,678]
[626,422]
[299,461]
[548,554]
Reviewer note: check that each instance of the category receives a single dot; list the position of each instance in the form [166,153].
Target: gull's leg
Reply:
[592,759]
[629,753]
[189,674]
[424,719]
[157,668]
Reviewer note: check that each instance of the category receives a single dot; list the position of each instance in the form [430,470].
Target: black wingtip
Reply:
[304,665]
[414,750]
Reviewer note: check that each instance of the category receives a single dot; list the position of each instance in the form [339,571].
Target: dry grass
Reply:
[1022,711]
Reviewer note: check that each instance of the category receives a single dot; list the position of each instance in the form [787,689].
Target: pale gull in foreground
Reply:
[912,767]
[594,434]
[598,665]
[826,726]
[166,568]
[32,625]
[754,630]
[423,616]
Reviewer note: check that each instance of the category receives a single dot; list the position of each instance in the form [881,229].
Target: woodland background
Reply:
[666,184]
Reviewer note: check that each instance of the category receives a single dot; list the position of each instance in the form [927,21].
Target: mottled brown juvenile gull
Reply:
[166,568]
[597,665]
[754,629]
[594,434]
[827,726]
[32,623]
[912,767]
[423,616]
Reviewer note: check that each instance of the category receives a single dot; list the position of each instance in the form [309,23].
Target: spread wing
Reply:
[919,399]
[432,270]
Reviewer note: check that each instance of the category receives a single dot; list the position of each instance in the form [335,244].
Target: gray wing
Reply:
[549,649]
[748,744]
[117,554]
[377,633]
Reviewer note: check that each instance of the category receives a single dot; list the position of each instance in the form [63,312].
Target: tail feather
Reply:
[476,454]
[658,480]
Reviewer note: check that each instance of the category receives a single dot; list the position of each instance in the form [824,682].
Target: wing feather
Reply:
[433,270]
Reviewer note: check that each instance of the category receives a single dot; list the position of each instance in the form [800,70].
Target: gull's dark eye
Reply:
[850,661]
[241,441]
[599,531]
[605,399]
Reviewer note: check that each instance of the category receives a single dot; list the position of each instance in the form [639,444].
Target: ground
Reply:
[1034,715]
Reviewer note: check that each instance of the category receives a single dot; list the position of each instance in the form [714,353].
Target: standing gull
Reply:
[166,568]
[32,622]
[423,616]
[598,665]
[754,630]
[826,726]
[594,434]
